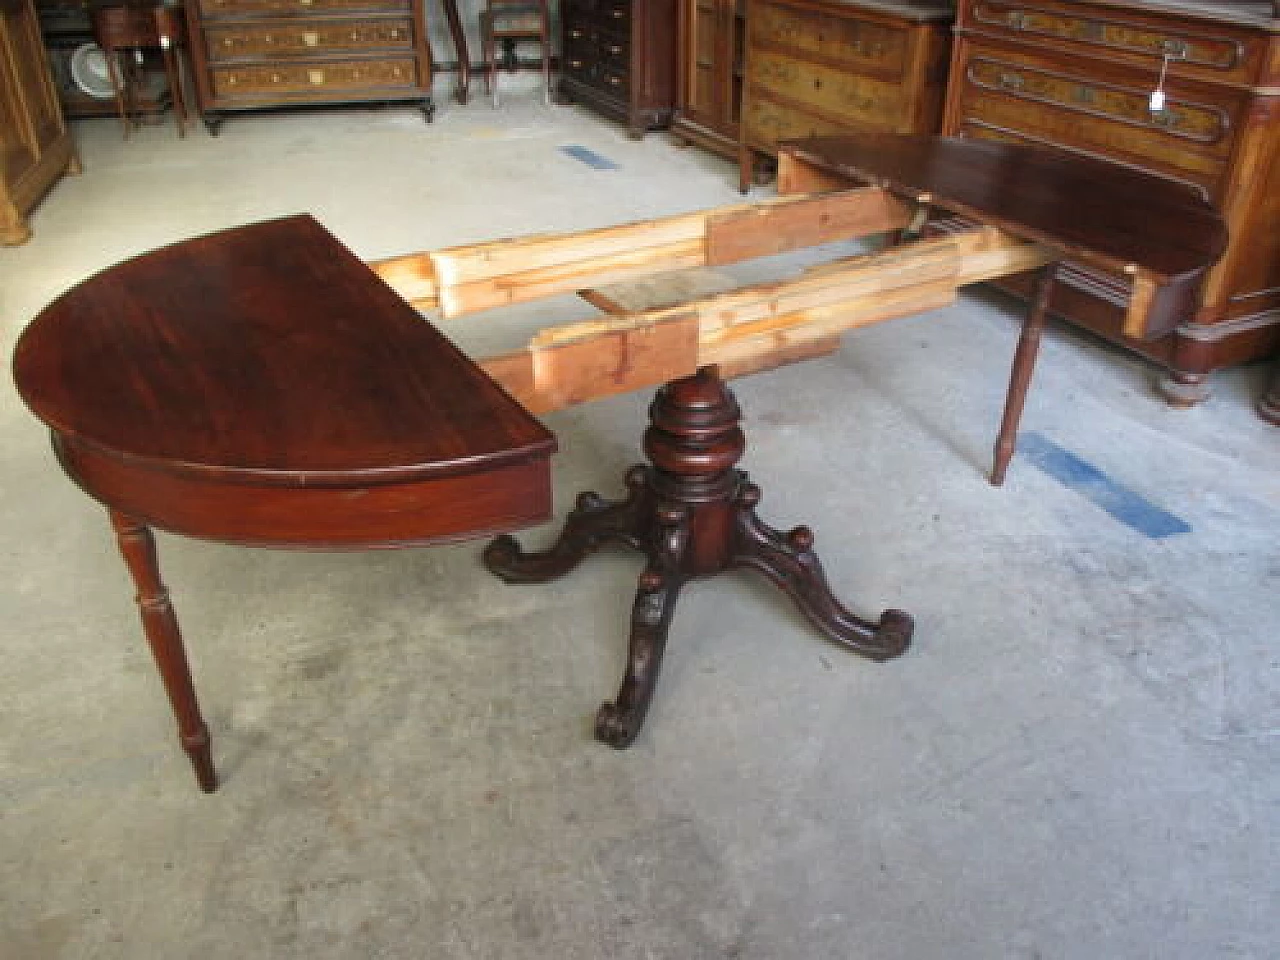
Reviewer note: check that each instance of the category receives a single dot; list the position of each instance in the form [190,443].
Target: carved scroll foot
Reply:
[789,561]
[593,521]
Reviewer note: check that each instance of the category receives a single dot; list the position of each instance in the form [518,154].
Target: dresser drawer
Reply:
[1103,113]
[612,15]
[871,49]
[314,81]
[287,38]
[292,8]
[1208,51]
[765,122]
[827,89]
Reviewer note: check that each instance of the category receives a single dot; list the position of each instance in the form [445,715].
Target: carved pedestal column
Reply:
[692,514]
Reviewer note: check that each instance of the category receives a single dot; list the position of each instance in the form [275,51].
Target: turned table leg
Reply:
[692,514]
[1024,363]
[161,627]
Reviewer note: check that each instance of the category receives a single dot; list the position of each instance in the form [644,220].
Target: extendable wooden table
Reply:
[262,386]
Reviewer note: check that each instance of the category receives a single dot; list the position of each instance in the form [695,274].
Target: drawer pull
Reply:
[1164,118]
[310,38]
[1017,20]
[1174,49]
[615,49]
[616,81]
[618,14]
[316,77]
[228,42]
[575,34]
[1085,95]
[575,64]
[1011,81]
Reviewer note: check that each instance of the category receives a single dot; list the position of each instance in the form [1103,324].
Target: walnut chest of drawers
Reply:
[1079,77]
[251,54]
[618,57]
[818,67]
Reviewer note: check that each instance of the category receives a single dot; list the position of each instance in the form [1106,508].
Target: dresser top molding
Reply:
[917,11]
[1240,13]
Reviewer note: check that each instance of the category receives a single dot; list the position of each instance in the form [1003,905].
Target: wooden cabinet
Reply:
[249,54]
[35,147]
[618,57]
[1079,77]
[710,44]
[823,67]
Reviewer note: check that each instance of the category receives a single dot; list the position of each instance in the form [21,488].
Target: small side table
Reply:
[138,27]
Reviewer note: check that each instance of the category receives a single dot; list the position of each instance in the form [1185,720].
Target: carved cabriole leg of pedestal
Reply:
[161,627]
[1024,362]
[593,522]
[618,723]
[789,561]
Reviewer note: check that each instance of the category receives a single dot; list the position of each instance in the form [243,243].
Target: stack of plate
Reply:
[89,71]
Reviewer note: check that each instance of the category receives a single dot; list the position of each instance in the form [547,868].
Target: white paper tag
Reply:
[1157,101]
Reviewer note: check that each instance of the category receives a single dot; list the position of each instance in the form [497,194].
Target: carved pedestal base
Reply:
[692,514]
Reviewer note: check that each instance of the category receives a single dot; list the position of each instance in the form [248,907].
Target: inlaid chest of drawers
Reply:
[254,54]
[818,67]
[1078,77]
[619,58]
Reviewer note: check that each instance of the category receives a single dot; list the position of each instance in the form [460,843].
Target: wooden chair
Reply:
[132,28]
[508,21]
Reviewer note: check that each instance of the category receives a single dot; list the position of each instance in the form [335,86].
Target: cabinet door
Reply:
[29,114]
[709,53]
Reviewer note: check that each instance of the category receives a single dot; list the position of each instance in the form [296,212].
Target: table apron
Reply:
[410,513]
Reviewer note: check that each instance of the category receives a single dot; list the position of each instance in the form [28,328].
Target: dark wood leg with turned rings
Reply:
[1024,364]
[161,627]
[692,514]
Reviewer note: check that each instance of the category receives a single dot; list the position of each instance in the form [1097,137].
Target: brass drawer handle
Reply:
[1011,81]
[615,49]
[618,14]
[1174,49]
[1164,118]
[575,64]
[1017,20]
[616,81]
[310,38]
[316,77]
[575,34]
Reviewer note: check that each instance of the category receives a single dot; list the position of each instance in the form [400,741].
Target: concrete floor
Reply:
[1076,759]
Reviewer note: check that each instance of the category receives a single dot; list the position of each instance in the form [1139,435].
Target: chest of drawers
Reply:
[618,57]
[817,67]
[251,54]
[1078,77]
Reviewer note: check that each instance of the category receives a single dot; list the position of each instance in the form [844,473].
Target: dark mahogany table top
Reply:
[1093,210]
[197,360]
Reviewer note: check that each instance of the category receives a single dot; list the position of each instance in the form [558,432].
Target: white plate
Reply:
[89,71]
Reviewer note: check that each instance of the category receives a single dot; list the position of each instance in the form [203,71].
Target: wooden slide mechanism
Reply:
[740,331]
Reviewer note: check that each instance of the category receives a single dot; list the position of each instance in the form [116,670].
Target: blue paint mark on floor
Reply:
[589,157]
[1092,484]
